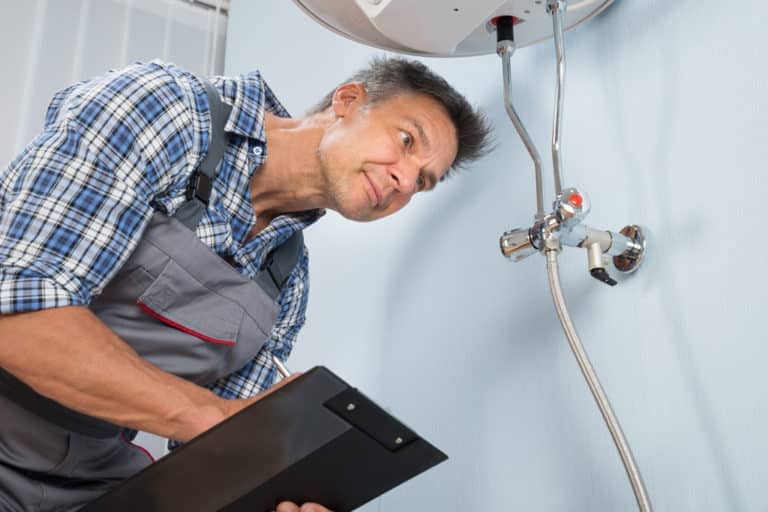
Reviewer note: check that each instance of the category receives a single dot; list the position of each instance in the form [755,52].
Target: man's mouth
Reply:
[374,194]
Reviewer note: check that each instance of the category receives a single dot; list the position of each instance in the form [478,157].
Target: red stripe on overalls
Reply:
[128,441]
[180,327]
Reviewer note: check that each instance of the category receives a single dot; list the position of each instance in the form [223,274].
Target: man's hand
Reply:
[287,506]
[207,416]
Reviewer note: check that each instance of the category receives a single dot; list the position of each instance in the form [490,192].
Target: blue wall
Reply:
[664,126]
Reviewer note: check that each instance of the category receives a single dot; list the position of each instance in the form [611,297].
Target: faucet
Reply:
[564,226]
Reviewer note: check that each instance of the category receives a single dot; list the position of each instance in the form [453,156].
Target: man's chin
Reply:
[358,217]
[358,214]
[355,207]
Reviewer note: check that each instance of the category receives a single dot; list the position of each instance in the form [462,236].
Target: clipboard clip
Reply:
[372,420]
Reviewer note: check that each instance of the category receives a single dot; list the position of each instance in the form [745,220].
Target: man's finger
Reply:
[313,507]
[287,506]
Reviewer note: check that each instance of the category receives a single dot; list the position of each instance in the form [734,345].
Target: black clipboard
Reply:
[316,439]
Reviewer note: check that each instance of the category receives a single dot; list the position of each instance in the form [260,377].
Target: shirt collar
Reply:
[251,97]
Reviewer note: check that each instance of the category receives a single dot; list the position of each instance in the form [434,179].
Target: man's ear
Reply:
[347,97]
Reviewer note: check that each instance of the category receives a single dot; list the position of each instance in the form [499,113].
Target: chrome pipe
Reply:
[556,9]
[611,243]
[505,50]
[635,479]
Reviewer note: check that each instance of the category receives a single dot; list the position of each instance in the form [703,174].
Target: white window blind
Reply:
[48,44]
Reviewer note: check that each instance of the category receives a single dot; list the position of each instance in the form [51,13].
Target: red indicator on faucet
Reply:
[576,200]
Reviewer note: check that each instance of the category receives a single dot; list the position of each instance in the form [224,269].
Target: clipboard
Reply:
[315,439]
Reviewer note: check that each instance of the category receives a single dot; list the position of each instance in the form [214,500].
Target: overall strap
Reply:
[201,181]
[279,265]
[279,262]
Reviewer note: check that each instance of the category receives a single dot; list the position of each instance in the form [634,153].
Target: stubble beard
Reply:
[339,188]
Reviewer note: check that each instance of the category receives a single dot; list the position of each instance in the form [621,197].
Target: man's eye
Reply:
[406,138]
[421,183]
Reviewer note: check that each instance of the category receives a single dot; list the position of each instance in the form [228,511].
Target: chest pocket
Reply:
[177,299]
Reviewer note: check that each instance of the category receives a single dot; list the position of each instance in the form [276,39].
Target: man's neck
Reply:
[289,180]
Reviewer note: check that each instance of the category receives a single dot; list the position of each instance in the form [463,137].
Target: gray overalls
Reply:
[181,307]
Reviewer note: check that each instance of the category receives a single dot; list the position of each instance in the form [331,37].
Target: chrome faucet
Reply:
[564,226]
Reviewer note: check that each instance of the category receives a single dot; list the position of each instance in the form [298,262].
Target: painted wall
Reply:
[664,126]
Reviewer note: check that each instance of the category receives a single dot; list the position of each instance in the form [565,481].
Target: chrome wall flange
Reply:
[631,259]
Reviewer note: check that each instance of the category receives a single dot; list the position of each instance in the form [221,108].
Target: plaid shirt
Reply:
[75,202]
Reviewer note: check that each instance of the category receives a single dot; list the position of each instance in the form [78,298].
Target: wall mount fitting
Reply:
[630,260]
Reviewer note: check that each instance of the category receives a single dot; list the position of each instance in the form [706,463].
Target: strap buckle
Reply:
[199,186]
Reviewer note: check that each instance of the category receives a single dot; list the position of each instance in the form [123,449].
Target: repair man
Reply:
[136,289]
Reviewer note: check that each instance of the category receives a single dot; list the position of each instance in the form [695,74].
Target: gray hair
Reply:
[388,77]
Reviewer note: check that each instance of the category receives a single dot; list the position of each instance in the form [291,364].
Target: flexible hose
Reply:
[593,382]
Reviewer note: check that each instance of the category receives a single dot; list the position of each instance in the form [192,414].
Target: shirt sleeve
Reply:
[75,202]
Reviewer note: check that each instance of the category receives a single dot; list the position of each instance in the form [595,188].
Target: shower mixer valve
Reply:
[564,226]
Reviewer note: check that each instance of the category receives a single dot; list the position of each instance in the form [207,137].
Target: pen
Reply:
[281,369]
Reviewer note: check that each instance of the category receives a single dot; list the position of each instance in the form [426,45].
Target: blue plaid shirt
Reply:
[75,202]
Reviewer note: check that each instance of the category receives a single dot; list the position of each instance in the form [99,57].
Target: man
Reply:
[118,317]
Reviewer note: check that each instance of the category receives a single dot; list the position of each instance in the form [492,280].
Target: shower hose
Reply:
[594,384]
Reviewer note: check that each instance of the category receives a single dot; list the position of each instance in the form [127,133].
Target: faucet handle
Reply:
[517,244]
[597,261]
[571,206]
[602,275]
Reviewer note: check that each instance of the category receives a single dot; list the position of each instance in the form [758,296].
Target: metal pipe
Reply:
[635,479]
[556,8]
[611,243]
[505,52]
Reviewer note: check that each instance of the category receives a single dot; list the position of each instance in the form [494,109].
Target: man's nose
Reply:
[404,175]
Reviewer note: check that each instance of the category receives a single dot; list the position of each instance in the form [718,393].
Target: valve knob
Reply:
[571,207]
[576,200]
[597,263]
[602,275]
[517,244]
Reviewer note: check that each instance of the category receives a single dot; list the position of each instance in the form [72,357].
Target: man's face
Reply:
[376,157]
